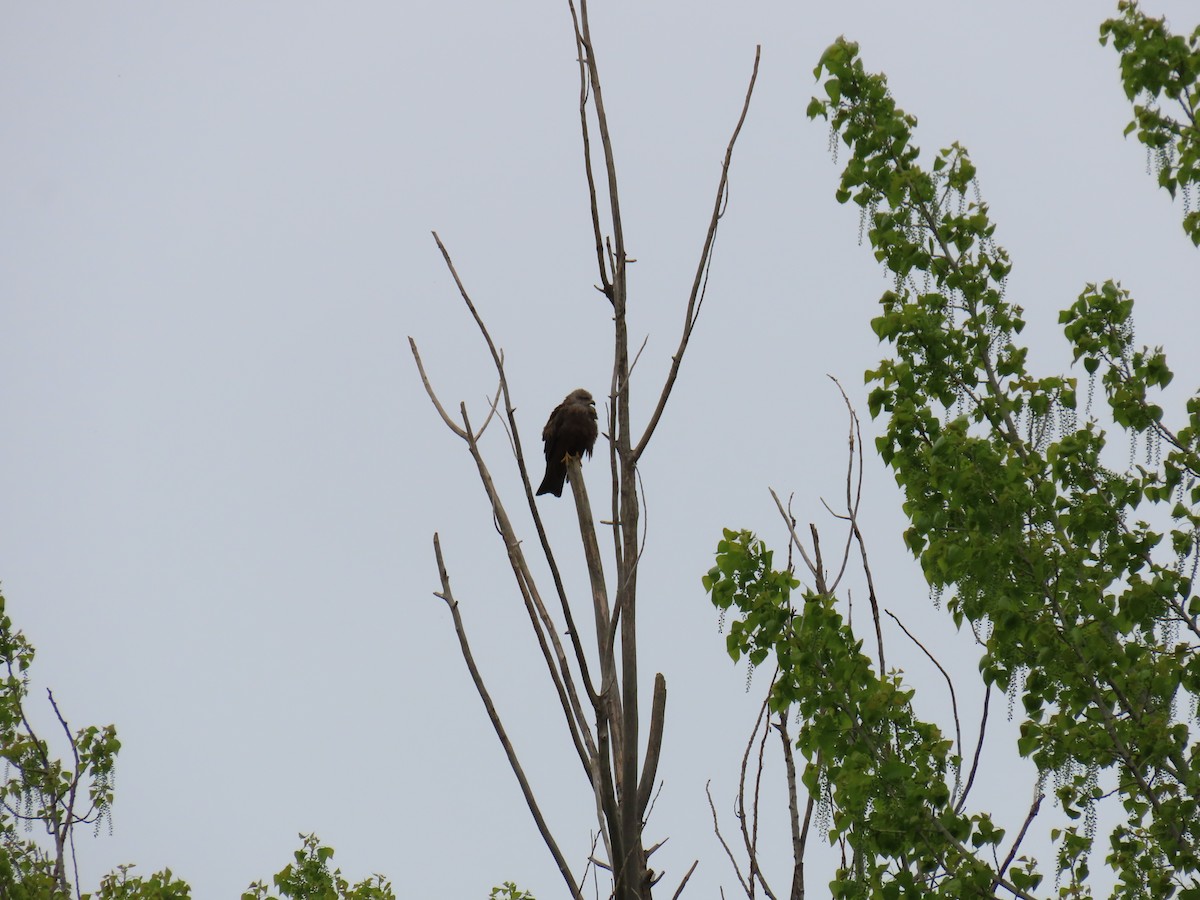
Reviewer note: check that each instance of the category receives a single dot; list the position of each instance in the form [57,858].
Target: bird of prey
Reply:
[570,431]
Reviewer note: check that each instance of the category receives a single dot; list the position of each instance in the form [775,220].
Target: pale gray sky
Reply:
[220,474]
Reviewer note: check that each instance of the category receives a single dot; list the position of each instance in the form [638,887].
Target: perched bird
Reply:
[570,431]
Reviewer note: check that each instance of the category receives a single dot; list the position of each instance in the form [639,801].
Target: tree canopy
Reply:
[1076,575]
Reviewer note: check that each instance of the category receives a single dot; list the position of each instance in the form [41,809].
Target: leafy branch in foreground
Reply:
[1013,513]
[878,773]
[1075,575]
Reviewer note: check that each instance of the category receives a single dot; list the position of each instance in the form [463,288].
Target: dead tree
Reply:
[597,687]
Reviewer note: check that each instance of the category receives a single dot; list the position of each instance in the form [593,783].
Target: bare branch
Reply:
[821,585]
[584,83]
[945,675]
[799,835]
[852,517]
[638,355]
[854,452]
[658,710]
[446,594]
[750,837]
[717,830]
[862,547]
[683,884]
[1012,853]
[987,696]
[614,290]
[696,297]
[591,550]
[607,705]
[791,525]
[450,423]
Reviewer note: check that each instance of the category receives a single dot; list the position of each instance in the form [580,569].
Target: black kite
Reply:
[570,431]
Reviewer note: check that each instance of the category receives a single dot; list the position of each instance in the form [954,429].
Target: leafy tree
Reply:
[41,791]
[309,878]
[1076,577]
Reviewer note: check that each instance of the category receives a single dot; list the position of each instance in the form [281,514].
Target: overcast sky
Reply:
[220,474]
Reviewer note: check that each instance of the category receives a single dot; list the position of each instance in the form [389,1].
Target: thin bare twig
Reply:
[638,355]
[437,404]
[854,452]
[748,823]
[949,684]
[987,696]
[447,595]
[683,884]
[717,829]
[871,598]
[1012,853]
[615,289]
[581,51]
[791,526]
[696,296]
[755,868]
[852,517]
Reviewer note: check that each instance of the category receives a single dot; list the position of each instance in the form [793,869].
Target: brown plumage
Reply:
[570,431]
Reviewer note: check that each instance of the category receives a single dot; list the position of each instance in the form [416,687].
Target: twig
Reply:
[791,525]
[695,298]
[755,868]
[1012,853]
[437,404]
[945,675]
[581,51]
[650,812]
[717,829]
[590,859]
[638,355]
[615,289]
[862,547]
[851,506]
[987,696]
[750,833]
[852,517]
[683,884]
